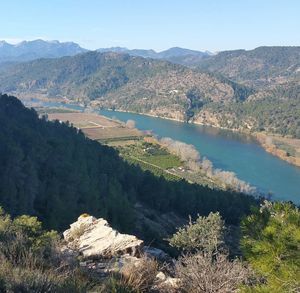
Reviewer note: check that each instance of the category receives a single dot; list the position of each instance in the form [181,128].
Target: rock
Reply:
[168,285]
[94,238]
[172,282]
[160,277]
[156,253]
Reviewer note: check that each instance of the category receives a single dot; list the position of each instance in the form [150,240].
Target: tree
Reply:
[130,124]
[271,244]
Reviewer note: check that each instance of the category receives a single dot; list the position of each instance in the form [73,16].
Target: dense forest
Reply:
[51,170]
[273,113]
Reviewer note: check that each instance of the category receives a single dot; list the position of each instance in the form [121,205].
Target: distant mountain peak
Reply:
[30,50]
[3,43]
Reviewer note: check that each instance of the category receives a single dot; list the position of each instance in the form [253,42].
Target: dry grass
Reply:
[96,126]
[139,277]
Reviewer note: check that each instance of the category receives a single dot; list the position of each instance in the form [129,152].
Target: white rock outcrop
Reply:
[94,238]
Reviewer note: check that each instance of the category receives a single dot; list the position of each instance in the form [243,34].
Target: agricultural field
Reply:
[151,157]
[98,127]
[133,145]
[83,120]
[47,111]
[151,153]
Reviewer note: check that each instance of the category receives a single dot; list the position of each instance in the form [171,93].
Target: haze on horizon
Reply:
[199,25]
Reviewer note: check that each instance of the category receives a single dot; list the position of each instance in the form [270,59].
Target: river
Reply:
[230,151]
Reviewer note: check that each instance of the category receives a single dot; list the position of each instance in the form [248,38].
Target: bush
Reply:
[30,260]
[200,273]
[205,234]
[23,239]
[134,277]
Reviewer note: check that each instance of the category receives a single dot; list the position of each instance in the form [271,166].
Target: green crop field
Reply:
[151,153]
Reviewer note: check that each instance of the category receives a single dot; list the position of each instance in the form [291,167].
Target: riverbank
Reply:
[227,150]
[287,149]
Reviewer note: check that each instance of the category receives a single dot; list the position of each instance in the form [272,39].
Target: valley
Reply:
[227,150]
[150,146]
[136,147]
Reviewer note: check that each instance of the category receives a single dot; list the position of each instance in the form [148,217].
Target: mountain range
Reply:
[175,54]
[247,90]
[30,50]
[121,81]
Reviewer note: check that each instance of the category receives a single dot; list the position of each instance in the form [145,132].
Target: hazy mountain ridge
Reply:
[175,55]
[30,50]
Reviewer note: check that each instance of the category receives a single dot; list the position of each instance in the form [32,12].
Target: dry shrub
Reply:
[29,279]
[130,124]
[207,273]
[140,276]
[84,215]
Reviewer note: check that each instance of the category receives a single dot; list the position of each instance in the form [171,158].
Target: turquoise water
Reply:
[229,151]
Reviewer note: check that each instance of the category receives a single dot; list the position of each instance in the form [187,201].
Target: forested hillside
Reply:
[260,68]
[245,90]
[114,80]
[52,170]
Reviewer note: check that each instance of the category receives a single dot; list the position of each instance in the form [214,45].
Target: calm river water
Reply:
[229,151]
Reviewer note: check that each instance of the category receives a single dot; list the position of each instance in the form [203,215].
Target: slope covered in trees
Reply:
[258,68]
[120,81]
[234,89]
[53,171]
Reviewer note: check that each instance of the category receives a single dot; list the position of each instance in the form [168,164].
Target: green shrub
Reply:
[205,234]
[30,260]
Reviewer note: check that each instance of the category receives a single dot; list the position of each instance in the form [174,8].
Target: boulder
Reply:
[94,238]
[156,253]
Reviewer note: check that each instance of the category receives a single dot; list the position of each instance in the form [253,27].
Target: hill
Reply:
[175,54]
[120,81]
[160,88]
[51,170]
[259,68]
[30,50]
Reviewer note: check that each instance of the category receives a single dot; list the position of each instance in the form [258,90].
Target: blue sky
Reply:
[159,24]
